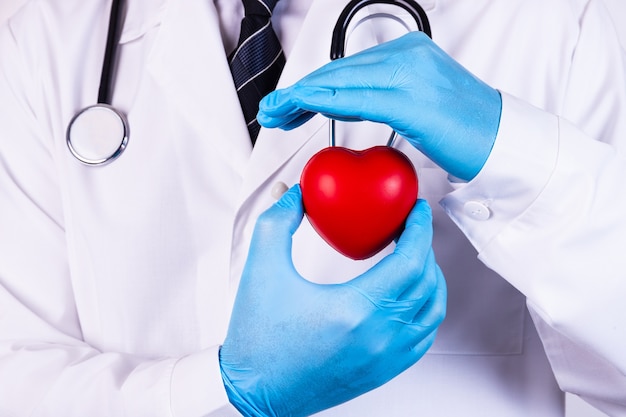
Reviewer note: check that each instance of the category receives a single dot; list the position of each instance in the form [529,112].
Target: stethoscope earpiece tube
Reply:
[338,43]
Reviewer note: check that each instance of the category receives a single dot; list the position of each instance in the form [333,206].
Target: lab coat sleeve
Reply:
[46,367]
[556,232]
[553,186]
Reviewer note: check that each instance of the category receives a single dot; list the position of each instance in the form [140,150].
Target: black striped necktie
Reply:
[257,61]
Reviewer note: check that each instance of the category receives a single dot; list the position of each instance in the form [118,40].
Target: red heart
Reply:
[358,201]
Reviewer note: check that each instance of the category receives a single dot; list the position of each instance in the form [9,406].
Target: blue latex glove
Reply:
[294,347]
[409,84]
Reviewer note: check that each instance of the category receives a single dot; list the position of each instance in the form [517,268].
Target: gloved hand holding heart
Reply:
[358,200]
[295,347]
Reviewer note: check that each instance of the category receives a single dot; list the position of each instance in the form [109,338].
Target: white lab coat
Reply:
[116,282]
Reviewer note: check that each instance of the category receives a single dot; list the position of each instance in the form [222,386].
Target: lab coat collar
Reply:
[141,16]
[188,61]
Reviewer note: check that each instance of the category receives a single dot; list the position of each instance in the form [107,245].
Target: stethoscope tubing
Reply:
[105,91]
[338,42]
[98,134]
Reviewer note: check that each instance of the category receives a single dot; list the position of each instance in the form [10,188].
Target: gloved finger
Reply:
[298,121]
[366,69]
[422,288]
[349,104]
[415,241]
[278,110]
[419,334]
[419,293]
[433,311]
[402,270]
[414,306]
[272,237]
[423,345]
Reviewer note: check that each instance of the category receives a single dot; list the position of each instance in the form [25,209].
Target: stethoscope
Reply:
[99,134]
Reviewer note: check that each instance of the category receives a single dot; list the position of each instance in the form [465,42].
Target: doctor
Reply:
[117,284]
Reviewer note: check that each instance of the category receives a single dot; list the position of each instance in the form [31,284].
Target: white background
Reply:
[575,407]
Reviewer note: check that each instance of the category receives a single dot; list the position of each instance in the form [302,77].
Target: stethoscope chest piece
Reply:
[97,135]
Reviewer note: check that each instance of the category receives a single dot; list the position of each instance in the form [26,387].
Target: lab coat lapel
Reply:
[311,50]
[189,62]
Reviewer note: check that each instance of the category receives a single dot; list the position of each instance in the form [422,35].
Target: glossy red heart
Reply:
[358,201]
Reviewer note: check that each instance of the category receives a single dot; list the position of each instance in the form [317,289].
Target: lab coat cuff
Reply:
[519,166]
[197,389]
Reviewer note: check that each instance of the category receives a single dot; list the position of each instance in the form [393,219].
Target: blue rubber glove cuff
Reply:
[244,407]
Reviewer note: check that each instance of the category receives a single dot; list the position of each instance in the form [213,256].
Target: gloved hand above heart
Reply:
[409,84]
[294,348]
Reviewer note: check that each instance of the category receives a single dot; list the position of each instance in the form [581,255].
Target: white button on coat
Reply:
[477,210]
[279,189]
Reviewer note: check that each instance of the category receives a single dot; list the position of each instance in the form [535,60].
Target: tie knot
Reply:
[259,7]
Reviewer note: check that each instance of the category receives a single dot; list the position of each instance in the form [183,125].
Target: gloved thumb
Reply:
[272,238]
